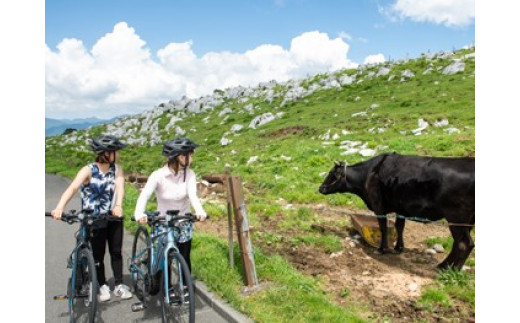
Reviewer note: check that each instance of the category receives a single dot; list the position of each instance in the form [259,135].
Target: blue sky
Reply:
[192,47]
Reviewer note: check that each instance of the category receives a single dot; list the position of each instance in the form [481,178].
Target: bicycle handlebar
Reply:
[77,216]
[154,217]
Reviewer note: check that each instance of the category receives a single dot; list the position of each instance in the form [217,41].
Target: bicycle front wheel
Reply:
[181,306]
[140,264]
[83,295]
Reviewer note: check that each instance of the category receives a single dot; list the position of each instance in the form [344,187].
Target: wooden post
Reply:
[242,224]
[230,216]
[224,179]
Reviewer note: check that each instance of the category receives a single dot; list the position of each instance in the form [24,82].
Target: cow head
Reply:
[336,180]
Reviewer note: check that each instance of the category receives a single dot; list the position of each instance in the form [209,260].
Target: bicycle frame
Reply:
[164,242]
[82,241]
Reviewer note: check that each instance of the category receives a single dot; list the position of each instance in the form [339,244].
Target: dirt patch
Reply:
[296,130]
[383,286]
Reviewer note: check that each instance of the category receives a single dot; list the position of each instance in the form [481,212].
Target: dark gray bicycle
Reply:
[82,286]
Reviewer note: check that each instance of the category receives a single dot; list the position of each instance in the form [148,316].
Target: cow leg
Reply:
[465,247]
[383,229]
[462,247]
[399,226]
[450,260]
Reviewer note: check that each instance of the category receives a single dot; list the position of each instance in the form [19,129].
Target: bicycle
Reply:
[156,265]
[81,262]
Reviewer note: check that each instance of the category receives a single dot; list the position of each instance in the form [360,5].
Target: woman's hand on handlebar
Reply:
[143,220]
[201,217]
[117,211]
[56,214]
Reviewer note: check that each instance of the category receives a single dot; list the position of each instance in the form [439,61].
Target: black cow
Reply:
[413,186]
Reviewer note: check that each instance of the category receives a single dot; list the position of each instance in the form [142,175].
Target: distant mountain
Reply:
[57,126]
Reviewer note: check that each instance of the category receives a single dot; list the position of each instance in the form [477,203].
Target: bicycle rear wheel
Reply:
[83,304]
[181,307]
[140,265]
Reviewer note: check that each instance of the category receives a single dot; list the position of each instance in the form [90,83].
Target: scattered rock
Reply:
[423,124]
[264,118]
[438,248]
[452,130]
[252,159]
[224,112]
[367,152]
[406,75]
[383,71]
[225,141]
[236,127]
[325,136]
[441,123]
[412,286]
[359,114]
[454,68]
[336,254]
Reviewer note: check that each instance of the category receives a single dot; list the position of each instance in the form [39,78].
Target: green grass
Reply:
[329,243]
[275,301]
[450,286]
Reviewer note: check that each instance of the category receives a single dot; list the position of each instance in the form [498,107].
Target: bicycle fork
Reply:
[71,263]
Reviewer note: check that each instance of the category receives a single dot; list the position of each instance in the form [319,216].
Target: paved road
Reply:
[59,241]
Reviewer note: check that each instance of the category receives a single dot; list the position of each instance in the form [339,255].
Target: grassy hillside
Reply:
[292,153]
[291,157]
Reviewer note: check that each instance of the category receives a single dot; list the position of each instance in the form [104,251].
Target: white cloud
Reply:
[452,13]
[119,75]
[374,59]
[344,35]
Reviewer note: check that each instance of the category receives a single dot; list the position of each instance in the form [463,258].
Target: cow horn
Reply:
[337,163]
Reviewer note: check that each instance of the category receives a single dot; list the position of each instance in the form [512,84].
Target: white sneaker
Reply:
[123,291]
[104,293]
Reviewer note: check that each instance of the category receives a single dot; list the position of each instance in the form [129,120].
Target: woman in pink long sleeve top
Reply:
[175,187]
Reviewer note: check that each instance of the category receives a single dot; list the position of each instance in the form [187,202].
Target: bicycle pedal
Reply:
[136,307]
[61,297]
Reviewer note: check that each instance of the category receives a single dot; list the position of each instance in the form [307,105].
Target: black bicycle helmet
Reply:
[106,143]
[178,146]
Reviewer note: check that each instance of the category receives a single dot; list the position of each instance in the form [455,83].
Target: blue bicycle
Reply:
[157,266]
[82,286]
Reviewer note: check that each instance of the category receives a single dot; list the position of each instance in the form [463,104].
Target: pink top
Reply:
[171,191]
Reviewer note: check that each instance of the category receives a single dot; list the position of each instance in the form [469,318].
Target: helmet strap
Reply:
[186,160]
[102,158]
[110,154]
